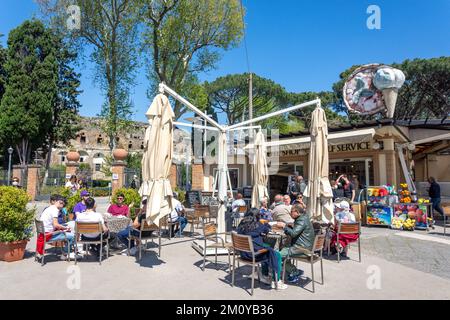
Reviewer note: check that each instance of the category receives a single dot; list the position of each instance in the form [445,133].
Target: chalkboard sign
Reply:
[193,197]
[208,199]
[247,192]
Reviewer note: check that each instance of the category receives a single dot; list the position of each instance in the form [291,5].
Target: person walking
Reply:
[434,192]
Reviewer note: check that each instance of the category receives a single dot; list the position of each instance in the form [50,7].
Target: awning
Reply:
[352,136]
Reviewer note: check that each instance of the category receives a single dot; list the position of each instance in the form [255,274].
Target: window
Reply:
[142,146]
[234,177]
[99,139]
[63,158]
[81,159]
[98,167]
[130,145]
[83,138]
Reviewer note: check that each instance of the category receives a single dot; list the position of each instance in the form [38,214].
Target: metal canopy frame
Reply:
[223,173]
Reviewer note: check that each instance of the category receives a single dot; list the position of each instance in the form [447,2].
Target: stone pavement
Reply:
[393,267]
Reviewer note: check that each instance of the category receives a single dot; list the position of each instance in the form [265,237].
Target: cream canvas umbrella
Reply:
[157,159]
[260,172]
[318,191]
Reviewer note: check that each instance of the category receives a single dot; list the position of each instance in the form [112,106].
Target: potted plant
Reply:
[15,223]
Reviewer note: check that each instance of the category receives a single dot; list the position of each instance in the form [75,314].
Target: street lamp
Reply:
[10,151]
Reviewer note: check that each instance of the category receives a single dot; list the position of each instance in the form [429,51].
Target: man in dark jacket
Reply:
[435,195]
[302,237]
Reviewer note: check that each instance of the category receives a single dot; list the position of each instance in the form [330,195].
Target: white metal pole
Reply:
[165,88]
[276,113]
[196,126]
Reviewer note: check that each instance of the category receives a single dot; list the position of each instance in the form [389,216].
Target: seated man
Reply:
[90,215]
[80,206]
[178,215]
[119,208]
[287,201]
[239,202]
[343,215]
[123,235]
[281,212]
[302,236]
[50,219]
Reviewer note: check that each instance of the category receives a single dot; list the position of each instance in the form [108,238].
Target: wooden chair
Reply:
[349,228]
[242,243]
[86,228]
[446,215]
[237,219]
[210,233]
[169,224]
[310,256]
[201,212]
[145,226]
[41,230]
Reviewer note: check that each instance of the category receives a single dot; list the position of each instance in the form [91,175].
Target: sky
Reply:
[301,44]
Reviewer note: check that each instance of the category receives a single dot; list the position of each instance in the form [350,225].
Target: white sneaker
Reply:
[279,285]
[124,252]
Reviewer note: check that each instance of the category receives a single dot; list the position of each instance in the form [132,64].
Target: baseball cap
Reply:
[343,205]
[84,193]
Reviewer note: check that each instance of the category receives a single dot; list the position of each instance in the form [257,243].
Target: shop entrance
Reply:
[278,183]
[361,168]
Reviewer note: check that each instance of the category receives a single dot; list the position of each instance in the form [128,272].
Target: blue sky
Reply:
[301,44]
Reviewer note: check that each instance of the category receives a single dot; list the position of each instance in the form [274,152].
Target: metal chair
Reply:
[237,219]
[210,233]
[169,224]
[310,256]
[40,229]
[446,215]
[213,212]
[200,212]
[349,228]
[242,243]
[145,227]
[86,228]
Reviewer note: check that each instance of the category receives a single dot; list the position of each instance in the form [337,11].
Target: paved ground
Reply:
[394,266]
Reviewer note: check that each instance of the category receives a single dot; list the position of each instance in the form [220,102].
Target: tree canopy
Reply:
[183,37]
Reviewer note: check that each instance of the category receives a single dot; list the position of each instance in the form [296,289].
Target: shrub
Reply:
[100,192]
[131,196]
[181,195]
[15,220]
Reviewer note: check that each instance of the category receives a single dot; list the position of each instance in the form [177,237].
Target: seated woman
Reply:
[123,235]
[343,215]
[299,200]
[264,210]
[251,226]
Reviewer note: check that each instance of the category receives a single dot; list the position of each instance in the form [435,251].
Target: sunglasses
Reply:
[119,198]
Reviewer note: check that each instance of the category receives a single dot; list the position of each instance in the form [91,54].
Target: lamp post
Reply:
[10,151]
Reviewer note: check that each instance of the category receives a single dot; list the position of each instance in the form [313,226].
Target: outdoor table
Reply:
[116,224]
[275,238]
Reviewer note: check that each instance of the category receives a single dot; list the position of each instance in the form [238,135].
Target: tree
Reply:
[65,116]
[229,95]
[31,88]
[426,92]
[183,37]
[2,70]
[109,32]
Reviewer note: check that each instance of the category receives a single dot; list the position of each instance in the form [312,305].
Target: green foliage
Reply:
[134,161]
[181,194]
[15,220]
[2,70]
[84,166]
[31,87]
[106,166]
[184,38]
[100,192]
[131,197]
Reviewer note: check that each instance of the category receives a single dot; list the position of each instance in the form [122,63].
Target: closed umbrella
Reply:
[318,191]
[157,159]
[260,172]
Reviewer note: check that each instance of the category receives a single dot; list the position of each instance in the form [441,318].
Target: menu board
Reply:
[208,199]
[193,197]
[247,192]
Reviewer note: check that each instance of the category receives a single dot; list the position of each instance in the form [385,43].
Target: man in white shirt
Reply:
[91,216]
[239,202]
[177,214]
[50,219]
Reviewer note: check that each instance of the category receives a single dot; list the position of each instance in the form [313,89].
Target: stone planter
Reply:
[120,155]
[12,251]
[73,156]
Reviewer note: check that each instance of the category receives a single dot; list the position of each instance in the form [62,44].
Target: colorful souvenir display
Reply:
[379,211]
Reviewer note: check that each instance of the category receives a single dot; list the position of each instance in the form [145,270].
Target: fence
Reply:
[131,175]
[4,177]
